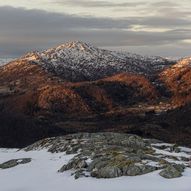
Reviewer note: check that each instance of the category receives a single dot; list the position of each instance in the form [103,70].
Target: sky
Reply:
[147,27]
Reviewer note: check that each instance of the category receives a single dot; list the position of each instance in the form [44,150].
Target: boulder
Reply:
[132,170]
[14,162]
[75,163]
[78,174]
[170,172]
[109,172]
[147,168]
[97,163]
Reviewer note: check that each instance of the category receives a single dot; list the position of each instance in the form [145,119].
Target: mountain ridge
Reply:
[75,88]
[78,61]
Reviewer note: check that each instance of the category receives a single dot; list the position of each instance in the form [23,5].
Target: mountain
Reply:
[77,87]
[78,61]
[107,79]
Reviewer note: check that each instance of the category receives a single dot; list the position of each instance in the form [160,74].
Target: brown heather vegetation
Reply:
[35,104]
[177,79]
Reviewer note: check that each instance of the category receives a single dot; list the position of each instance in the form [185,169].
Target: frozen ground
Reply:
[41,175]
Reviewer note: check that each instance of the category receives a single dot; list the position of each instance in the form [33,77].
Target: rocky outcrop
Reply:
[14,162]
[110,155]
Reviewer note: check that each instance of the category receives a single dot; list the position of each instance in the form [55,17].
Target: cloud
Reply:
[26,30]
[97,4]
[165,4]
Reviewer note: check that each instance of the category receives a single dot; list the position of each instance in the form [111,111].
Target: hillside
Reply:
[77,87]
[177,79]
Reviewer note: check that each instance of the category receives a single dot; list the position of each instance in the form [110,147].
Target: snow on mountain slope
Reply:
[78,61]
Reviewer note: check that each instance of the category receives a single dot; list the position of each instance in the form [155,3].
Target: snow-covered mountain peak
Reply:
[76,45]
[79,61]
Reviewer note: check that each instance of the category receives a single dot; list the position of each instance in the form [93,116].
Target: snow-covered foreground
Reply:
[41,175]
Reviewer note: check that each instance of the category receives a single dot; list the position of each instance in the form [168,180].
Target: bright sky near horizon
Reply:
[150,27]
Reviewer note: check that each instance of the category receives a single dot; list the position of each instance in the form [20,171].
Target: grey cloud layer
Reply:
[23,30]
[97,4]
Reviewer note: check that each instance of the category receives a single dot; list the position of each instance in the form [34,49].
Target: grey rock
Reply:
[14,162]
[75,163]
[94,173]
[134,159]
[112,155]
[179,167]
[175,148]
[133,170]
[150,157]
[97,163]
[136,142]
[184,159]
[72,150]
[140,153]
[170,172]
[81,164]
[152,141]
[161,147]
[109,172]
[64,168]
[78,174]
[147,168]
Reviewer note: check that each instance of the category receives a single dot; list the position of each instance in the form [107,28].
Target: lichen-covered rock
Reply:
[78,174]
[110,155]
[132,170]
[179,167]
[171,172]
[97,163]
[75,163]
[14,162]
[109,172]
[136,142]
[147,168]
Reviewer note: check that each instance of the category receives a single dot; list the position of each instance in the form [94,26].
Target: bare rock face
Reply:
[110,155]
